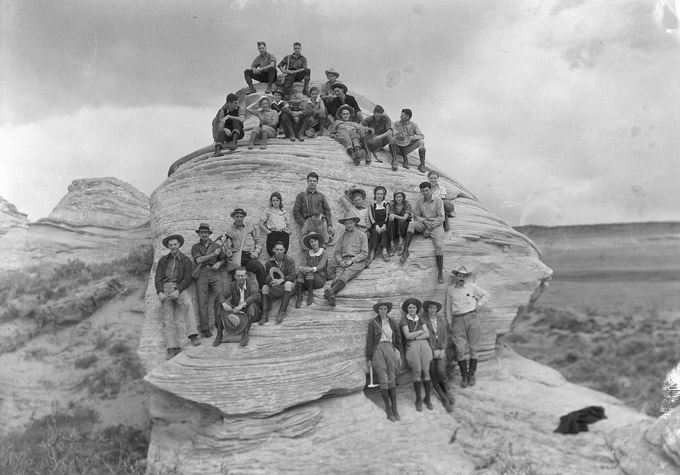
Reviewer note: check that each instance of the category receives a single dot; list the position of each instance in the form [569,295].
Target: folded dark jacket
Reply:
[578,421]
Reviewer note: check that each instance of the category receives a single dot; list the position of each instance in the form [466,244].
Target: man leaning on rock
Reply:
[173,277]
[243,246]
[208,257]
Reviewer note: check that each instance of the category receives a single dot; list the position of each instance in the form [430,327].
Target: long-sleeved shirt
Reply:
[217,124]
[262,61]
[250,291]
[431,211]
[315,109]
[439,191]
[311,203]
[269,117]
[199,250]
[293,63]
[375,335]
[287,266]
[352,244]
[464,299]
[312,259]
[327,90]
[410,129]
[379,125]
[335,104]
[438,333]
[275,219]
[181,272]
[251,238]
[346,126]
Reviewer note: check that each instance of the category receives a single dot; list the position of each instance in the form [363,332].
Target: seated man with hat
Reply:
[243,246]
[350,255]
[173,277]
[462,299]
[280,270]
[227,126]
[327,93]
[437,328]
[379,134]
[341,99]
[408,137]
[239,301]
[349,134]
[209,257]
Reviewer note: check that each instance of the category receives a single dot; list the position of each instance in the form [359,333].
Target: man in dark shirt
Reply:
[342,98]
[294,67]
[173,276]
[263,69]
[295,119]
[311,210]
[279,284]
[227,126]
[208,256]
[380,134]
[242,295]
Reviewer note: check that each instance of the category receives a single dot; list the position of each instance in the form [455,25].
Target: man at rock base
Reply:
[294,67]
[173,277]
[227,126]
[462,300]
[413,138]
[428,218]
[208,258]
[380,134]
[311,210]
[280,281]
[243,246]
[242,295]
[263,69]
[350,255]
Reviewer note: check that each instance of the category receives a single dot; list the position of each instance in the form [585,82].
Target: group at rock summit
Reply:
[318,110]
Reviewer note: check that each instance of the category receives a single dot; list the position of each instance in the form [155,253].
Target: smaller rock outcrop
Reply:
[10,217]
[13,230]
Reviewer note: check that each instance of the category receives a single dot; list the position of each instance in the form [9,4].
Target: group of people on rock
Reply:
[317,110]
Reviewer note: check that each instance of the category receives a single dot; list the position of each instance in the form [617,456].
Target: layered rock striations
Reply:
[10,217]
[13,230]
[99,219]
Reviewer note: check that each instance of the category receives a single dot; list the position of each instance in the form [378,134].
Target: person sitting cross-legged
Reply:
[280,270]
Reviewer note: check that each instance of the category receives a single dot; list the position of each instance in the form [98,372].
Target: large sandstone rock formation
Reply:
[13,229]
[99,219]
[10,217]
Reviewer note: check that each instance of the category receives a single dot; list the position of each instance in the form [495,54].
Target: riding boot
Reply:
[393,152]
[405,252]
[448,393]
[447,226]
[284,306]
[428,393]
[234,142]
[359,154]
[245,335]
[393,399]
[218,327]
[405,155]
[305,87]
[421,154]
[299,286]
[388,405]
[330,294]
[251,89]
[441,392]
[419,401]
[309,285]
[266,305]
[473,369]
[462,364]
[440,269]
[218,150]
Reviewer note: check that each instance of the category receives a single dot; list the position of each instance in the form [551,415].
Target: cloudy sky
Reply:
[551,112]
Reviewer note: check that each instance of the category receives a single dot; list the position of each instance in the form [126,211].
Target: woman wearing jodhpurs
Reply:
[437,326]
[312,271]
[418,351]
[383,354]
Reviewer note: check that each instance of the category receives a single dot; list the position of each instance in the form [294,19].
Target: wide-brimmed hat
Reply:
[317,236]
[276,273]
[427,303]
[339,84]
[401,139]
[332,71]
[461,270]
[407,302]
[380,303]
[269,98]
[233,323]
[179,237]
[342,108]
[353,191]
[238,210]
[398,192]
[350,215]
[203,227]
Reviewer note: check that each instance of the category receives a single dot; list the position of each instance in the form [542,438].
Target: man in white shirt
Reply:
[462,300]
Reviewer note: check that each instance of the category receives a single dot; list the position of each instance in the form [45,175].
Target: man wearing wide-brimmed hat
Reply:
[462,299]
[208,259]
[326,93]
[173,277]
[243,246]
[350,255]
[383,354]
[349,134]
[380,133]
[263,69]
[241,296]
[341,99]
[437,327]
[412,136]
[279,283]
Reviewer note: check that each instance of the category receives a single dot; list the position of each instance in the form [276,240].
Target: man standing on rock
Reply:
[207,254]
[428,218]
[380,134]
[242,295]
[280,281]
[462,300]
[294,68]
[263,69]
[311,210]
[243,246]
[350,255]
[412,138]
[173,277]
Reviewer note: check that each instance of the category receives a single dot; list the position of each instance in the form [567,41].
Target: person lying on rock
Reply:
[428,217]
[294,68]
[383,354]
[275,223]
[269,120]
[349,135]
[263,69]
[312,271]
[437,328]
[398,221]
[327,92]
[440,192]
[295,119]
[462,299]
[351,251]
[208,257]
[354,200]
[280,270]
[227,126]
[408,137]
[418,351]
[173,277]
[316,110]
[378,212]
[241,295]
[380,133]
[242,246]
[311,211]
[341,99]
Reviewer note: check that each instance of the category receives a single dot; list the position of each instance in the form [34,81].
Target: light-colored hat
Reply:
[351,214]
[343,107]
[233,323]
[461,270]
[401,139]
[179,237]
[332,71]
[353,191]
[269,99]
[276,273]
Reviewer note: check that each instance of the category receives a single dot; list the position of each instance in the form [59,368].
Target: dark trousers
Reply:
[209,282]
[318,279]
[291,78]
[397,228]
[254,266]
[235,126]
[293,129]
[268,76]
[378,239]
